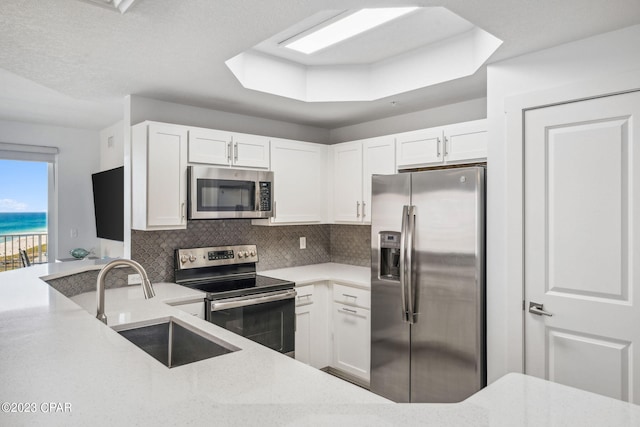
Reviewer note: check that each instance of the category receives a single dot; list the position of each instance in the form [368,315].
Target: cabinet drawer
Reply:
[352,296]
[305,295]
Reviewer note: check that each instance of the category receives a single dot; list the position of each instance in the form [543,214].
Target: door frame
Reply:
[515,108]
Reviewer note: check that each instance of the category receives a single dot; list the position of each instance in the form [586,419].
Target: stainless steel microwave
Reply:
[216,193]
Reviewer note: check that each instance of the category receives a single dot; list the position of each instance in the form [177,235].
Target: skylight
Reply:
[347,27]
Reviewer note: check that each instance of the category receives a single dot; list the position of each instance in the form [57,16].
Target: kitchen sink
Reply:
[173,342]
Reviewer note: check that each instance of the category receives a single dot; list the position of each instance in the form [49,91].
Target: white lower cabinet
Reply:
[333,328]
[351,340]
[312,326]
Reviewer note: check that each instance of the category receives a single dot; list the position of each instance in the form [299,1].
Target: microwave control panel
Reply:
[265,196]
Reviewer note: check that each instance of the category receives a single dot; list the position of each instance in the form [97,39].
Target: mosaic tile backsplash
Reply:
[278,247]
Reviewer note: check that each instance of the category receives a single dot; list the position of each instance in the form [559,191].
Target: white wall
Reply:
[142,109]
[111,156]
[597,57]
[453,113]
[78,158]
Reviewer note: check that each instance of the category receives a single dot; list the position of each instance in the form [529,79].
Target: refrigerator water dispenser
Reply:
[389,255]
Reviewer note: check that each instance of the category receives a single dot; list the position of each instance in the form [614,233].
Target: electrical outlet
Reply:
[74,233]
[303,243]
[134,279]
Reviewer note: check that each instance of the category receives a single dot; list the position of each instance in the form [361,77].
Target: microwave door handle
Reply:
[252,300]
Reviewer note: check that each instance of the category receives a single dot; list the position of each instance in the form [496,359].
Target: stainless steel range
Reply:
[257,307]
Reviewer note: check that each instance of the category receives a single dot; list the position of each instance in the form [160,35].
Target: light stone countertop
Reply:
[53,351]
[348,274]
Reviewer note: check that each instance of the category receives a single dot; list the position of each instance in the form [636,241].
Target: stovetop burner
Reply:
[224,272]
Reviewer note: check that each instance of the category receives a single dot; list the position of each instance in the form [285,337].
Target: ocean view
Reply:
[23,222]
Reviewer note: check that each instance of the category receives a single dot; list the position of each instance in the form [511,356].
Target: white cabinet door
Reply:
[351,340]
[304,336]
[419,148]
[299,181]
[250,151]
[464,142]
[158,176]
[209,146]
[347,184]
[378,157]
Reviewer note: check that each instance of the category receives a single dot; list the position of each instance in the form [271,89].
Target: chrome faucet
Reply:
[147,288]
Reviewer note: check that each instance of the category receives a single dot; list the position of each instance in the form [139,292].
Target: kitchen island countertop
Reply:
[61,366]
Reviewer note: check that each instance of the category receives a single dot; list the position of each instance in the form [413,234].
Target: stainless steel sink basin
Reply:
[173,342]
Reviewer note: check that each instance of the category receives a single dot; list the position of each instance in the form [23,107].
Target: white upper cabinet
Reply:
[299,182]
[464,142]
[378,157]
[347,182]
[158,176]
[210,146]
[453,144]
[250,150]
[419,147]
[353,165]
[222,148]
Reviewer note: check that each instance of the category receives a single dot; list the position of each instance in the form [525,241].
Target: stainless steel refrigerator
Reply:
[428,285]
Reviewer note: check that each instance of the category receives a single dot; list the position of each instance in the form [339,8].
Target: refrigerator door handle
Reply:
[403,261]
[411,223]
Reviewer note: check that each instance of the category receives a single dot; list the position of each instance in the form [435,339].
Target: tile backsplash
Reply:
[278,247]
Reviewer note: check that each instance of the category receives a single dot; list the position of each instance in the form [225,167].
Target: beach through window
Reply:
[23,212]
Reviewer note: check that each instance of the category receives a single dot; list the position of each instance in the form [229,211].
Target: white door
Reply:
[582,244]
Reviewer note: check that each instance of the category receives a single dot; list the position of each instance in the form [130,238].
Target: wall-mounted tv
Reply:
[108,202]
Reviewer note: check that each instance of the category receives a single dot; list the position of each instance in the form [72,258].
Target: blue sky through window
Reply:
[24,186]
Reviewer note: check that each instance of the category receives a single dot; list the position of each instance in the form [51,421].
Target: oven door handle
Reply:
[253,300]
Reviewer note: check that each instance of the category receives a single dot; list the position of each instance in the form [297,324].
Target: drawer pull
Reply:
[350,296]
[350,311]
[304,296]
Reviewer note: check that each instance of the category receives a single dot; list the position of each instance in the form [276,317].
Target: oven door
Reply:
[268,319]
[216,193]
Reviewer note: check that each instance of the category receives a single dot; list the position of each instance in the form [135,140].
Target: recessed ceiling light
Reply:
[120,5]
[344,28]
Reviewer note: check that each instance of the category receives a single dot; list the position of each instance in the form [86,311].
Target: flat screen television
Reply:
[108,203]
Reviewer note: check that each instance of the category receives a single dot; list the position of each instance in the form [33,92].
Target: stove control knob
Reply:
[253,253]
[183,259]
[192,257]
[241,254]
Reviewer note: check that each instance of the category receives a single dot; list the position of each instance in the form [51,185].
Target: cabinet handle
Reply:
[350,311]
[235,152]
[364,212]
[182,211]
[350,296]
[304,296]
[357,209]
[446,151]
[438,147]
[229,152]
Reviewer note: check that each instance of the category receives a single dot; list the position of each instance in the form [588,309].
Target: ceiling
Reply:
[70,63]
